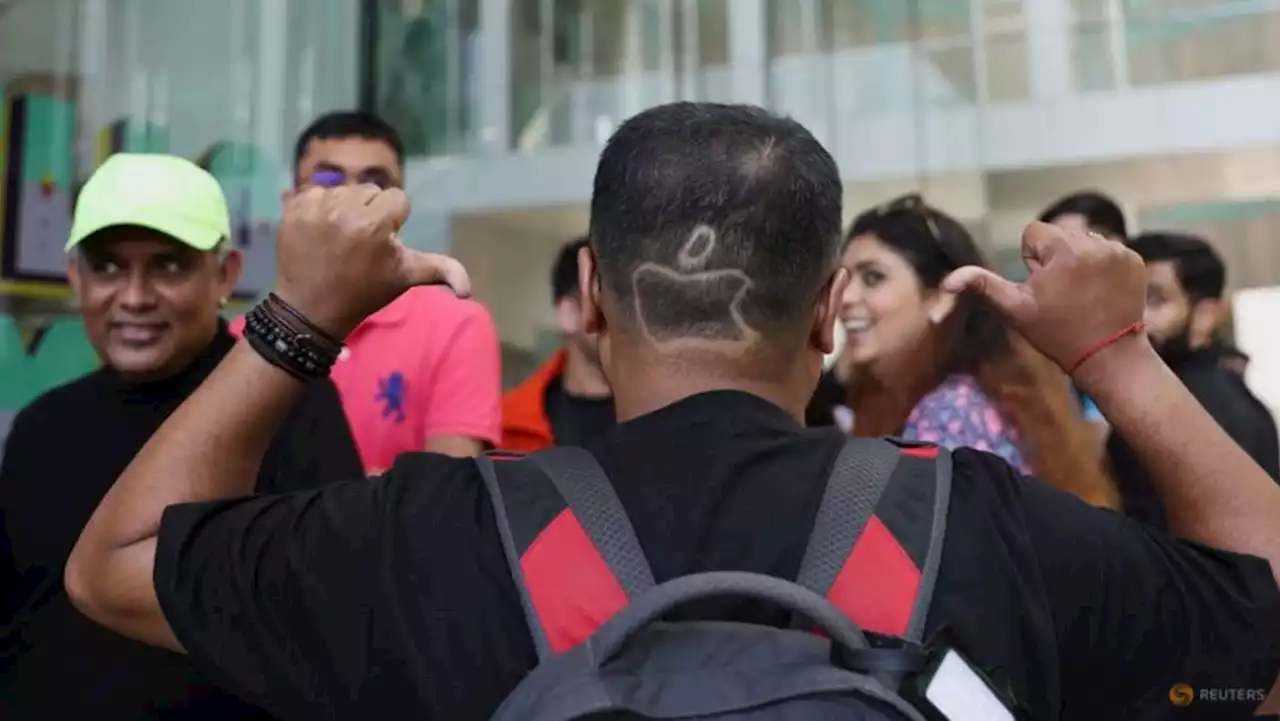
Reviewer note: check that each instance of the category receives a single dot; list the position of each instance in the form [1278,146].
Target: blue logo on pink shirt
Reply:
[391,393]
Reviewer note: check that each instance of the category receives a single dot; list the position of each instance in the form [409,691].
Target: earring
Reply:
[222,302]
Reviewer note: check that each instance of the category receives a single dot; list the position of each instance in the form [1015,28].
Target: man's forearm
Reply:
[1213,492]
[210,448]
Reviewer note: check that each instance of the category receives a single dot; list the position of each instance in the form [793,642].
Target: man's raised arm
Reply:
[338,260]
[1215,493]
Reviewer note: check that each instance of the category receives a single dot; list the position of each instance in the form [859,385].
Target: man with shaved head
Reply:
[711,279]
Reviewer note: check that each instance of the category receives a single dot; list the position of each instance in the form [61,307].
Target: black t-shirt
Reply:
[64,452]
[1226,397]
[391,598]
[575,420]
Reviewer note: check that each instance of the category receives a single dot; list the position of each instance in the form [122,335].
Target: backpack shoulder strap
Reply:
[877,541]
[572,550]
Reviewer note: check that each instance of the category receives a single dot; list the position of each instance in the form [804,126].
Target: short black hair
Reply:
[1200,270]
[564,274]
[715,222]
[349,124]
[1101,212]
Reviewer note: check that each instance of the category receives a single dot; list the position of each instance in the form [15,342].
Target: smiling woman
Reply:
[934,366]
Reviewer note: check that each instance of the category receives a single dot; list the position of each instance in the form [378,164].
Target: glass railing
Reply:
[425,74]
[579,67]
[1134,43]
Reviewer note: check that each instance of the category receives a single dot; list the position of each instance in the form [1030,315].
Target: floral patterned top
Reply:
[958,414]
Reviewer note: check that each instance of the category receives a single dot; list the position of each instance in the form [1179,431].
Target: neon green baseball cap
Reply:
[165,193]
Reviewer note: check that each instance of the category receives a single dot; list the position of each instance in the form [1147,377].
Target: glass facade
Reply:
[424,73]
[578,67]
[1121,43]
[228,84]
[908,94]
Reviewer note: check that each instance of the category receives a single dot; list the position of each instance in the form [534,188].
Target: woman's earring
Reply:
[222,302]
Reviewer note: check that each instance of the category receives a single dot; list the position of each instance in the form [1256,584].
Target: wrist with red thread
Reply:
[1135,328]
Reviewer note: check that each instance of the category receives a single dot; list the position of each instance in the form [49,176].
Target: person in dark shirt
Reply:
[149,267]
[1186,279]
[567,401]
[1232,358]
[712,279]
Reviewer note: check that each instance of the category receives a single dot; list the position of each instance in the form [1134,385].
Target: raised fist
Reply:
[1082,290]
[339,257]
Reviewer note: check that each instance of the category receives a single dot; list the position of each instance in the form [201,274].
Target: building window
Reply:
[1119,43]
[579,67]
[425,73]
[927,44]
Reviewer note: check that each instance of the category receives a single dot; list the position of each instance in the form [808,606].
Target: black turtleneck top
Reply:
[1226,397]
[62,455]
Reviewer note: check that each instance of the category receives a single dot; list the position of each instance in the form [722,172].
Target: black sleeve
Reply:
[1229,402]
[14,465]
[1268,443]
[317,447]
[1137,611]
[1270,460]
[379,598]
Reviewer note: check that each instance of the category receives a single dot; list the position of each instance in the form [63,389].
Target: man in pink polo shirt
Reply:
[425,371]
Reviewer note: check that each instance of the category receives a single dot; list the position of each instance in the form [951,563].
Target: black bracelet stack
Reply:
[290,342]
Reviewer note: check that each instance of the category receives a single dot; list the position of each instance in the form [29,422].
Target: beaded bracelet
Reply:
[303,354]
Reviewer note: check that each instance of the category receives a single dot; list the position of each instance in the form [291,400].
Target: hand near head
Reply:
[1082,289]
[339,257]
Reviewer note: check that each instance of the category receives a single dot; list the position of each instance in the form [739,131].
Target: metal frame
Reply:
[367,43]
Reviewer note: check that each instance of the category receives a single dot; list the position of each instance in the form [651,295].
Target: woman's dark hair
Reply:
[974,340]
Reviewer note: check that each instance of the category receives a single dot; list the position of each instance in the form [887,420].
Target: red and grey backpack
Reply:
[595,611]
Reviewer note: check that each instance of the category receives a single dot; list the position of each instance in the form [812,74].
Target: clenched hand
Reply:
[339,257]
[1081,290]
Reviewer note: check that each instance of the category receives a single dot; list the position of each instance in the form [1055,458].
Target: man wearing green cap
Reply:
[149,266]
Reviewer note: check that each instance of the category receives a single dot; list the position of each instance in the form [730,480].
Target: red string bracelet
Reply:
[1133,328]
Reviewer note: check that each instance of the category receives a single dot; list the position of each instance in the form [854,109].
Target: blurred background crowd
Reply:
[991,109]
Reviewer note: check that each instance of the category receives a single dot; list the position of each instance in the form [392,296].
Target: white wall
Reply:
[1255,334]
[509,257]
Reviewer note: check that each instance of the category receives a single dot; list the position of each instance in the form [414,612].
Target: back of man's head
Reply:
[564,274]
[1200,270]
[1098,211]
[715,228]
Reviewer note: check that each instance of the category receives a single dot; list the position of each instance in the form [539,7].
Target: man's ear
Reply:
[940,305]
[822,335]
[589,292]
[569,315]
[230,265]
[1205,316]
[73,275]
